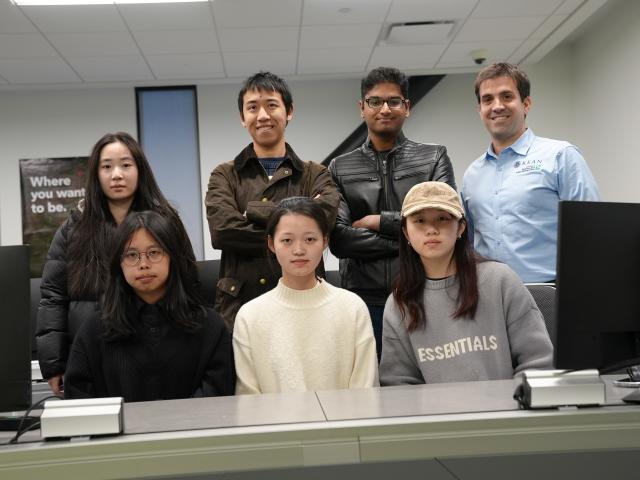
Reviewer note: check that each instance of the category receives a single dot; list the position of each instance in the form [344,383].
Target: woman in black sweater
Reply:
[153,339]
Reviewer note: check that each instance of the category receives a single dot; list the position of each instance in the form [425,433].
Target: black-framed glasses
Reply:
[393,103]
[132,257]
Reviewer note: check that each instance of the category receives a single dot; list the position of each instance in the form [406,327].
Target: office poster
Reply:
[50,187]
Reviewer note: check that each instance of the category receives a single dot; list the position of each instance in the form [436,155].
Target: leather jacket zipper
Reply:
[385,190]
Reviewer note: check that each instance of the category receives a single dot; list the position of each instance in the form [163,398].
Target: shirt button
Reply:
[496,192]
[264,199]
[233,288]
[263,281]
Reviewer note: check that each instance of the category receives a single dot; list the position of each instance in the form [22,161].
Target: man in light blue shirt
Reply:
[511,192]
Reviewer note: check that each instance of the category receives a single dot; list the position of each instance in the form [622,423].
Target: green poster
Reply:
[50,188]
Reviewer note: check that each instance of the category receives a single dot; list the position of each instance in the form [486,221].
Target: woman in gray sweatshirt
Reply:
[453,316]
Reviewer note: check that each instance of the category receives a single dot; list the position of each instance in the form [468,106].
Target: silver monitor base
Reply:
[555,388]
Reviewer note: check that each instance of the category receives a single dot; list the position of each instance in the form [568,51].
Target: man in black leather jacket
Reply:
[373,181]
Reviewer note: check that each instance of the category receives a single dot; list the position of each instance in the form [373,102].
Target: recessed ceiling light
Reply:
[419,33]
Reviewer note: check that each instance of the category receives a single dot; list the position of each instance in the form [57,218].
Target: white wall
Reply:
[583,93]
[607,102]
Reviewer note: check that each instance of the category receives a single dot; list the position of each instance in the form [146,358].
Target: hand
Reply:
[55,383]
[370,222]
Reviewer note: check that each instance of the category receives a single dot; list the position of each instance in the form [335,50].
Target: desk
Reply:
[452,431]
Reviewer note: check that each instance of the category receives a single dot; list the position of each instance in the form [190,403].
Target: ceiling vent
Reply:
[416,33]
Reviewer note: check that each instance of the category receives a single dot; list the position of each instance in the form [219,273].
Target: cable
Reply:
[20,430]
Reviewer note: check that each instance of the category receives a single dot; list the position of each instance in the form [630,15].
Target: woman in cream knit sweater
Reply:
[305,334]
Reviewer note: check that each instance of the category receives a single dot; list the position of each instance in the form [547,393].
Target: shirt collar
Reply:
[520,146]
[249,153]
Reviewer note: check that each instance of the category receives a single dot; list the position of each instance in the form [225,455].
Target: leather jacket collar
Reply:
[367,146]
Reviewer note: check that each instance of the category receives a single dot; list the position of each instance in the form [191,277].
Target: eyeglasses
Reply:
[393,103]
[132,257]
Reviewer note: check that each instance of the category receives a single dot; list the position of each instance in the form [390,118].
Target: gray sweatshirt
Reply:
[506,335]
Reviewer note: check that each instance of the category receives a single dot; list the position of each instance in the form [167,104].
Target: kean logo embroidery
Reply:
[526,166]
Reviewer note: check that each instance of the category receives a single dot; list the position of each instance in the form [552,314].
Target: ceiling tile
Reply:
[426,10]
[406,56]
[197,66]
[114,68]
[76,19]
[94,44]
[515,8]
[459,54]
[37,71]
[322,12]
[12,20]
[176,41]
[25,45]
[548,26]
[497,29]
[258,39]
[108,43]
[242,64]
[330,60]
[167,16]
[332,36]
[249,13]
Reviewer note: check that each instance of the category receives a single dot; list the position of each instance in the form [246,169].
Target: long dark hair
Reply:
[298,206]
[408,289]
[94,228]
[182,301]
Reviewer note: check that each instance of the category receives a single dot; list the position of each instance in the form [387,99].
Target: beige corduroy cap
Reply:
[432,195]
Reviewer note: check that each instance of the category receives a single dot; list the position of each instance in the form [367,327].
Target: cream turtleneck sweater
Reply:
[296,340]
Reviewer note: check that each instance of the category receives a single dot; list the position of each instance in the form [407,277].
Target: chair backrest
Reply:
[333,277]
[208,273]
[33,314]
[545,296]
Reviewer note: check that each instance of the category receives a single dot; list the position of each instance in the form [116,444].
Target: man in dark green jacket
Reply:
[242,193]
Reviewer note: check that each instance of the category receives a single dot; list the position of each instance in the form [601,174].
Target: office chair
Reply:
[208,273]
[333,277]
[544,295]
[33,314]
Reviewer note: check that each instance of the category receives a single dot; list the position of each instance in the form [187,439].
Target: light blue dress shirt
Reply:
[511,201]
